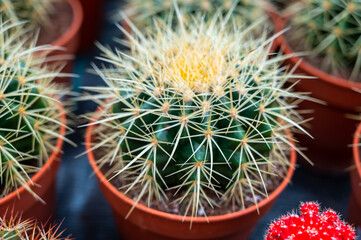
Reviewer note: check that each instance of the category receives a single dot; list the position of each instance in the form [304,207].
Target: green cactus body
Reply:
[29,117]
[9,235]
[331,29]
[202,125]
[198,110]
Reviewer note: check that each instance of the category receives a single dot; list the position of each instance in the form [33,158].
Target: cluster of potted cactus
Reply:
[196,133]
[195,118]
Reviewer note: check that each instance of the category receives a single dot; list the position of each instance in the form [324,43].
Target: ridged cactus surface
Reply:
[29,112]
[199,111]
[331,29]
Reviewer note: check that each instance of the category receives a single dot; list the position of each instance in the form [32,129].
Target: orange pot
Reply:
[70,39]
[331,129]
[151,224]
[354,213]
[21,201]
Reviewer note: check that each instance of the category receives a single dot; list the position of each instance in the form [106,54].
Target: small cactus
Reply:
[142,12]
[13,227]
[34,12]
[331,29]
[310,225]
[29,113]
[196,110]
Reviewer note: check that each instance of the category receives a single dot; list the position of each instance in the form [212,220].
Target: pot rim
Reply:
[75,25]
[180,218]
[356,148]
[53,157]
[308,68]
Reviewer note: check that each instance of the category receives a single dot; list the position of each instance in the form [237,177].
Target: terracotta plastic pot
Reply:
[148,223]
[93,19]
[331,129]
[70,39]
[354,213]
[22,201]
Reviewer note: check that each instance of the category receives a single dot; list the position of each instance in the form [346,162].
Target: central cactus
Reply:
[200,110]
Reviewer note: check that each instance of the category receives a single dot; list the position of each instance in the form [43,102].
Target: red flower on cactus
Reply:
[310,225]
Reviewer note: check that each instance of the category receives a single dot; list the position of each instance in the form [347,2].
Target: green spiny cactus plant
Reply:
[35,12]
[29,111]
[331,29]
[199,110]
[13,227]
[142,12]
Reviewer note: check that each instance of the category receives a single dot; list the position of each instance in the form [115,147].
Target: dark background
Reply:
[85,213]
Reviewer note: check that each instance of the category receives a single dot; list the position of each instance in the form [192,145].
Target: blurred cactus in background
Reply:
[199,110]
[29,111]
[331,29]
[34,12]
[142,12]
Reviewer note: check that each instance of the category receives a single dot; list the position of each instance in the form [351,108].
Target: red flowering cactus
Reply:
[310,225]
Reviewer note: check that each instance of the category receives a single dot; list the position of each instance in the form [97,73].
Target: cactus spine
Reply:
[29,112]
[331,29]
[197,110]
